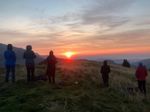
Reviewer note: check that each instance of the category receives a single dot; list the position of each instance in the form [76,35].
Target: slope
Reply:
[78,89]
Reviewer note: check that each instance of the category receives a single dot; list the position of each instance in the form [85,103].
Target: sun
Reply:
[69,54]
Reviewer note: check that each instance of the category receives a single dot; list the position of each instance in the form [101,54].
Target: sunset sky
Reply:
[119,28]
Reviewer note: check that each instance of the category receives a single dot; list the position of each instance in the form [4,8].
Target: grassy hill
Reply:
[78,89]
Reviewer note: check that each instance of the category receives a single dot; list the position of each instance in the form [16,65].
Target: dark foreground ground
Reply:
[78,89]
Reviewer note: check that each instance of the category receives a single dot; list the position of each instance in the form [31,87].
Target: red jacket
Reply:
[141,73]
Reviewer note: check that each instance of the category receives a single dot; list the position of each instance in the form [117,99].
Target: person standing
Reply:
[51,67]
[29,57]
[10,63]
[141,74]
[105,70]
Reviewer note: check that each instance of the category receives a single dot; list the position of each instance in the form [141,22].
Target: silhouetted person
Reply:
[51,67]
[10,63]
[141,74]
[105,70]
[126,63]
[29,57]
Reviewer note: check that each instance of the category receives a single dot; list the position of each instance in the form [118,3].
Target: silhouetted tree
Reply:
[126,63]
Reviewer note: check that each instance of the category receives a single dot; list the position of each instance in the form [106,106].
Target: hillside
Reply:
[78,89]
[19,53]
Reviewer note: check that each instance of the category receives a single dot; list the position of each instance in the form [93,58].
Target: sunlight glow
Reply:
[69,54]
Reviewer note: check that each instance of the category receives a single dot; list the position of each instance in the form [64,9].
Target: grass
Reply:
[78,89]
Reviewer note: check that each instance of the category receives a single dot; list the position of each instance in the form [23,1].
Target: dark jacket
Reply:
[105,69]
[51,65]
[141,73]
[29,57]
[51,61]
[10,58]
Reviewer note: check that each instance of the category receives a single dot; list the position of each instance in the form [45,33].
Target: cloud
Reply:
[11,32]
[128,39]
[15,36]
[100,25]
[106,13]
[106,7]
[102,15]
[62,41]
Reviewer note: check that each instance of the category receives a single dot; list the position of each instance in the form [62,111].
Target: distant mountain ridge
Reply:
[146,62]
[19,54]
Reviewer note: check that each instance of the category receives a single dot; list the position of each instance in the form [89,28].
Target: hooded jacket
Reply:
[51,61]
[105,70]
[10,58]
[29,57]
[141,73]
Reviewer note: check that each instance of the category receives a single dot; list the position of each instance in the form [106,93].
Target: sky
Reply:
[98,28]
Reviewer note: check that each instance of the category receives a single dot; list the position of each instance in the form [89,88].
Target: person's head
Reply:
[28,47]
[140,64]
[9,47]
[125,60]
[105,62]
[51,53]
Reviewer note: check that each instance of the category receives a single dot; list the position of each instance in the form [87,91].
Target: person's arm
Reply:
[24,55]
[14,56]
[146,73]
[47,60]
[33,54]
[136,73]
[5,55]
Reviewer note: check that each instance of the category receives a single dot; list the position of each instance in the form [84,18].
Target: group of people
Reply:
[29,56]
[141,74]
